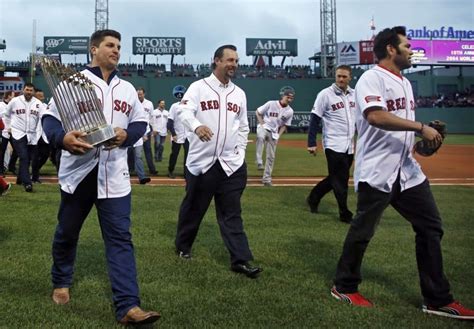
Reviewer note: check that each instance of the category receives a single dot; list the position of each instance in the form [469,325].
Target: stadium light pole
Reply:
[33,52]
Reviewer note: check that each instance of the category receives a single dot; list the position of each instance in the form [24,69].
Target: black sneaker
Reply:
[171,175]
[36,181]
[145,180]
[28,188]
[346,216]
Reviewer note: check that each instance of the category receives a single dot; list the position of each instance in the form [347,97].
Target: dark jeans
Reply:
[226,192]
[175,147]
[114,220]
[13,157]
[149,155]
[416,205]
[159,147]
[25,153]
[40,159]
[339,165]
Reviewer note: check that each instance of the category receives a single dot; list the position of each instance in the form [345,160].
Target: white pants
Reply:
[264,137]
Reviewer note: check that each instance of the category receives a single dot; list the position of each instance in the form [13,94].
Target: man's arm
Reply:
[313,132]
[381,119]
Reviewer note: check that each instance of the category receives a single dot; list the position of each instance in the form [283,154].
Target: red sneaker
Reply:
[453,310]
[354,298]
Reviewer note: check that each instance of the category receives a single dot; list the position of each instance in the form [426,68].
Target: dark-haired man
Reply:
[335,106]
[386,173]
[22,117]
[99,176]
[215,110]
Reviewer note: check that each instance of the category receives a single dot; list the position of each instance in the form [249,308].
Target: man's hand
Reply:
[431,136]
[174,138]
[118,140]
[145,138]
[204,133]
[74,144]
[155,133]
[313,150]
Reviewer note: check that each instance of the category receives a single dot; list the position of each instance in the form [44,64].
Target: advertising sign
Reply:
[158,46]
[271,47]
[66,45]
[442,52]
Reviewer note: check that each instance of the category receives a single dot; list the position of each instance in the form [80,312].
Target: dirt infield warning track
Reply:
[452,165]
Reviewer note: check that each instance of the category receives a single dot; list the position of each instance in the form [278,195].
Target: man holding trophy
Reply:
[94,117]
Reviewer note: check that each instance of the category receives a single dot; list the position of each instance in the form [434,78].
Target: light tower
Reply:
[372,27]
[101,14]
[328,37]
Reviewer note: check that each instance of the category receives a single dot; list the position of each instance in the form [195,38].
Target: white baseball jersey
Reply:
[159,121]
[148,107]
[23,118]
[275,116]
[179,128]
[3,107]
[121,107]
[337,110]
[223,109]
[383,155]
[39,131]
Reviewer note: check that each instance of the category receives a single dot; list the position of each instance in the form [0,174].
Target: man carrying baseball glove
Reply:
[426,148]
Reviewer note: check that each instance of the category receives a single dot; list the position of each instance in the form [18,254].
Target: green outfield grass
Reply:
[290,161]
[298,251]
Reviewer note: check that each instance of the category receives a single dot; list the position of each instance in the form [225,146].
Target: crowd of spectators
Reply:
[458,99]
[203,70]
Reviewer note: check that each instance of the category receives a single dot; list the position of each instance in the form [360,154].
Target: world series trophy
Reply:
[77,102]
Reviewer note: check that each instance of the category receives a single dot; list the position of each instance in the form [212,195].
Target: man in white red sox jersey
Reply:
[99,176]
[22,117]
[387,174]
[335,105]
[273,118]
[215,110]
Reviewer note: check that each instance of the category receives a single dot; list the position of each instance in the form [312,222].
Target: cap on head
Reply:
[287,90]
[178,91]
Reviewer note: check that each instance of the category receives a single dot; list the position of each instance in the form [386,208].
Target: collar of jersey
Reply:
[388,70]
[215,82]
[339,91]
[96,71]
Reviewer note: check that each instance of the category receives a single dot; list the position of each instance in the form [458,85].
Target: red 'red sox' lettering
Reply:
[209,105]
[398,104]
[122,106]
[233,107]
[337,106]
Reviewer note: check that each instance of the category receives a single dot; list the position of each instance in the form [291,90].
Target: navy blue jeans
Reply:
[114,220]
[26,153]
[416,205]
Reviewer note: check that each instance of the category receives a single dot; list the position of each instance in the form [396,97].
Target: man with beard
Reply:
[214,110]
[22,117]
[386,173]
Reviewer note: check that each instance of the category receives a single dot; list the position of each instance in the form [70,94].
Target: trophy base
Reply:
[100,135]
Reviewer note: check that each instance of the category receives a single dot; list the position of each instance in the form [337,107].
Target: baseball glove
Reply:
[422,147]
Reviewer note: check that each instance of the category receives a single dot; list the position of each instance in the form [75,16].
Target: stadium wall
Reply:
[460,120]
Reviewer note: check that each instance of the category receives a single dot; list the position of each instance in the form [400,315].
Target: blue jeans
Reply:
[159,147]
[139,166]
[114,220]
[25,153]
